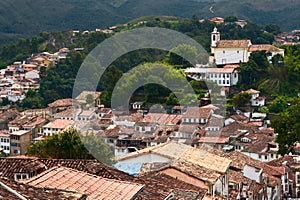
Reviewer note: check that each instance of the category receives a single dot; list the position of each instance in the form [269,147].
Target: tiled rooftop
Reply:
[170,150]
[10,166]
[234,43]
[94,186]
[59,123]
[36,193]
[160,185]
[61,103]
[196,112]
[162,118]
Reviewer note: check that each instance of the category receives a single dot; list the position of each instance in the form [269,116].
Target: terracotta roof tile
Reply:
[196,112]
[36,193]
[10,166]
[234,43]
[59,123]
[160,185]
[163,119]
[61,103]
[263,47]
[94,186]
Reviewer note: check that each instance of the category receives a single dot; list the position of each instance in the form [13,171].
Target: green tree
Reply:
[287,125]
[278,105]
[33,100]
[241,99]
[70,144]
[89,99]
[230,19]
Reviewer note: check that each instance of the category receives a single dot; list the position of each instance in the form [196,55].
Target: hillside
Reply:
[29,17]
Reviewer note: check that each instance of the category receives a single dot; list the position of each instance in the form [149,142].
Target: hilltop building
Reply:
[237,51]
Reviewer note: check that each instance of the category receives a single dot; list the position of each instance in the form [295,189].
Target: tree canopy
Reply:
[287,125]
[70,144]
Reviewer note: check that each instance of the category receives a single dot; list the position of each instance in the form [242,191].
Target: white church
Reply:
[227,55]
[237,51]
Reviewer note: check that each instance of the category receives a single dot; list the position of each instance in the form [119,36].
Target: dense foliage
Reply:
[287,125]
[280,77]
[57,81]
[70,145]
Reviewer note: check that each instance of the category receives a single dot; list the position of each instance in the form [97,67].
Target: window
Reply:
[272,155]
[266,157]
[259,156]
[238,51]
[298,178]
[223,51]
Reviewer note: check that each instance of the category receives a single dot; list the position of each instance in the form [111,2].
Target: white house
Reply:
[256,100]
[228,51]
[56,126]
[196,115]
[5,143]
[237,51]
[227,76]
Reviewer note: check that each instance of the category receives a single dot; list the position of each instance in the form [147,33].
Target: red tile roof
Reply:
[160,185]
[11,165]
[161,118]
[196,112]
[36,193]
[234,43]
[61,103]
[94,186]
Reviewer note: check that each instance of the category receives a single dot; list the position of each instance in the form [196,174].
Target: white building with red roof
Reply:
[237,51]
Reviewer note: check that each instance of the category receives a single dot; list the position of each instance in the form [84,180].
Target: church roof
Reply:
[234,43]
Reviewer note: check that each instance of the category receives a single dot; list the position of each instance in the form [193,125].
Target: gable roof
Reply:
[171,150]
[61,103]
[198,112]
[264,47]
[11,165]
[35,193]
[234,43]
[94,186]
[160,185]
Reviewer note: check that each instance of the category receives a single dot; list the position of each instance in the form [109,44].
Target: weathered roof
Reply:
[170,150]
[61,103]
[252,91]
[263,47]
[59,123]
[20,132]
[239,159]
[94,186]
[36,193]
[11,165]
[234,43]
[203,157]
[82,95]
[162,118]
[160,185]
[196,112]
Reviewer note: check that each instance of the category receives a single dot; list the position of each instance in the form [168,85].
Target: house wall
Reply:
[230,55]
[51,131]
[252,173]
[5,144]
[19,144]
[221,186]
[263,157]
[147,158]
